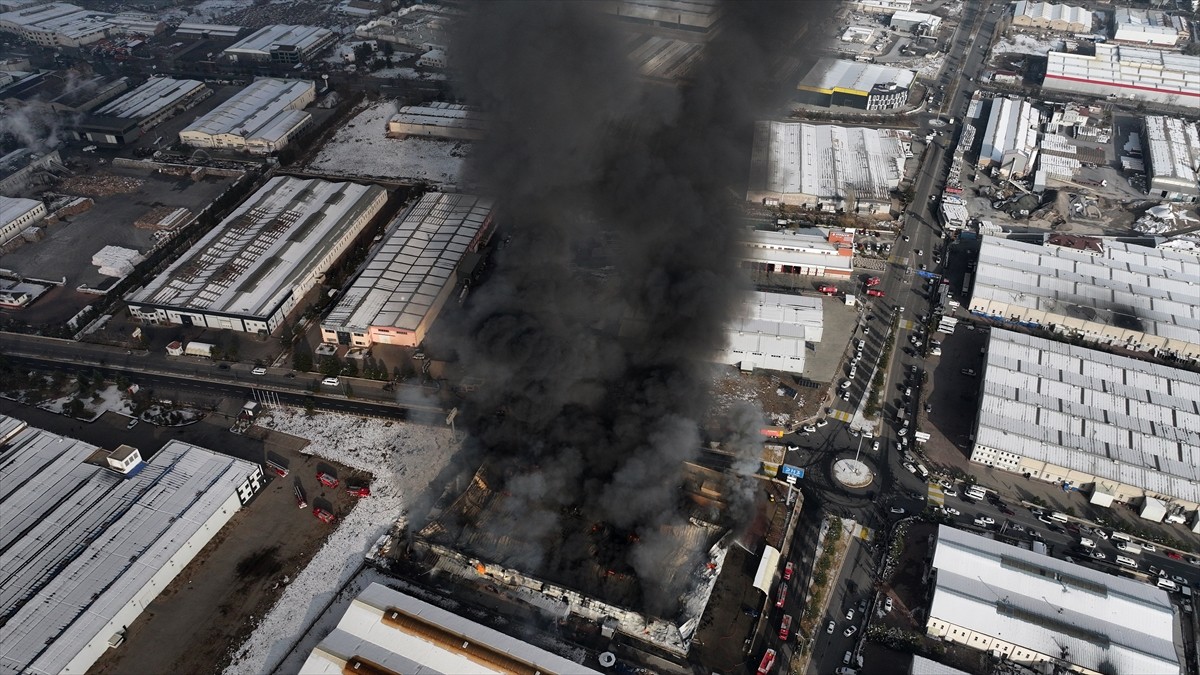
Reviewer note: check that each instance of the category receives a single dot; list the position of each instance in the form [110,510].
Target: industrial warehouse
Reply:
[56,24]
[835,82]
[413,272]
[774,332]
[1035,610]
[281,44]
[1173,158]
[260,119]
[388,629]
[825,166]
[253,269]
[125,119]
[437,120]
[809,252]
[1010,140]
[16,214]
[1108,292]
[1136,73]
[1121,428]
[92,537]
[1051,16]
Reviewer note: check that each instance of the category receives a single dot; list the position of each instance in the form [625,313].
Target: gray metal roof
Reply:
[148,99]
[263,40]
[1042,603]
[80,541]
[1111,416]
[415,262]
[825,161]
[253,109]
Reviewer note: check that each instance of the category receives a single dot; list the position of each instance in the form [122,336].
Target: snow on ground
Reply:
[203,12]
[407,74]
[111,398]
[360,148]
[931,65]
[404,458]
[1021,43]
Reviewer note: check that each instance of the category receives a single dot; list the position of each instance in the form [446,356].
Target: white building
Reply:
[1010,140]
[884,6]
[825,166]
[16,214]
[388,631]
[1115,294]
[1173,158]
[1051,16]
[1149,27]
[1126,428]
[253,269]
[1135,73]
[434,58]
[281,43]
[915,21]
[1038,611]
[437,120]
[811,253]
[773,332]
[56,24]
[260,119]
[411,274]
[88,546]
[159,99]
[838,82]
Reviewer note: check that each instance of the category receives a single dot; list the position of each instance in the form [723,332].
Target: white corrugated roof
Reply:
[1045,604]
[1012,127]
[830,73]
[1173,148]
[12,208]
[441,114]
[263,40]
[413,265]
[58,17]
[250,263]
[253,109]
[772,331]
[405,635]
[80,541]
[156,94]
[1128,70]
[1110,416]
[825,161]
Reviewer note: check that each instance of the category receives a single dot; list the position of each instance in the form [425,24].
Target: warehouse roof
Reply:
[1012,127]
[150,98]
[80,541]
[12,208]
[924,666]
[781,316]
[413,265]
[249,264]
[1110,416]
[1104,622]
[58,17]
[1132,68]
[1047,11]
[830,75]
[253,110]
[442,115]
[825,161]
[263,40]
[1173,146]
[387,629]
[1144,289]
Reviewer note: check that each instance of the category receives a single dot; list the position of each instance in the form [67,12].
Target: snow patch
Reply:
[1027,44]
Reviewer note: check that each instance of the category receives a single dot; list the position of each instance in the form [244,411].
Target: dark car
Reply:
[223,366]
[1005,510]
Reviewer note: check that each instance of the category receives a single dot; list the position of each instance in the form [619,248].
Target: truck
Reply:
[199,349]
[300,500]
[323,515]
[1128,547]
[358,490]
[828,289]
[872,281]
[327,480]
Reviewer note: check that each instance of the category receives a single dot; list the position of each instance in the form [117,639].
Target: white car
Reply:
[946,483]
[331,382]
[822,422]
[1147,546]
[949,492]
[875,446]
[845,396]
[850,631]
[259,371]
[910,467]
[850,614]
[830,628]
[1098,555]
[845,384]
[1086,543]
[887,604]
[808,428]
[1100,533]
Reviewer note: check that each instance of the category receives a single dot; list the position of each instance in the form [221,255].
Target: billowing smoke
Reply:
[592,334]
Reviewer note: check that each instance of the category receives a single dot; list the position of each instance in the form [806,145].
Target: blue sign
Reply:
[789,470]
[926,274]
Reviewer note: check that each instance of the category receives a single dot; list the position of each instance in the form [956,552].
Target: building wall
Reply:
[396,128]
[884,6]
[11,230]
[390,335]
[949,632]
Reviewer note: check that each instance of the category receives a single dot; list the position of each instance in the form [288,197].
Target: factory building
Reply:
[437,120]
[281,44]
[92,537]
[774,332]
[1010,139]
[810,252]
[825,166]
[411,274]
[1173,158]
[248,273]
[260,119]
[1115,425]
[836,82]
[1107,292]
[699,17]
[1149,27]
[17,214]
[206,30]
[133,23]
[883,6]
[916,22]
[1134,73]
[384,630]
[123,120]
[22,169]
[1051,16]
[56,24]
[422,26]
[1046,614]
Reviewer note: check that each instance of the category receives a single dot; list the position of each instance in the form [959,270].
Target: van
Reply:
[1121,536]
[1128,562]
[1086,543]
[259,370]
[975,492]
[331,382]
[1167,585]
[922,470]
[1060,517]
[1128,547]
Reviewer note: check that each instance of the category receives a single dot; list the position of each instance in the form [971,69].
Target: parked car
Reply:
[850,614]
[952,511]
[331,382]
[950,492]
[850,631]
[887,604]
[132,423]
[831,627]
[969,372]
[1098,555]
[259,370]
[897,510]
[845,384]
[787,571]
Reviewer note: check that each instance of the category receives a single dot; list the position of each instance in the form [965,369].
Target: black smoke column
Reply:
[621,193]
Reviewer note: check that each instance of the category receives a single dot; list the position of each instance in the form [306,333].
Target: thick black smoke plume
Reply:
[592,334]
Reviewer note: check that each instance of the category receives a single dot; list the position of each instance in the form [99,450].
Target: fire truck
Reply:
[300,500]
[327,480]
[828,290]
[872,281]
[358,490]
[323,515]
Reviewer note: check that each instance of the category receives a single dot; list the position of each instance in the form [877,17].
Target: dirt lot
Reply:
[209,608]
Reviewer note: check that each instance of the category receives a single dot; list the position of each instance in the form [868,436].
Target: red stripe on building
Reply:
[1173,92]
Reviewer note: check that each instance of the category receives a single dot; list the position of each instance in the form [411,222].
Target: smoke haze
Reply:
[591,335]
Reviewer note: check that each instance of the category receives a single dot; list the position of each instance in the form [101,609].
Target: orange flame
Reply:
[479,567]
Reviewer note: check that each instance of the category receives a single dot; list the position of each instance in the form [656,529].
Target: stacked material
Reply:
[115,261]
